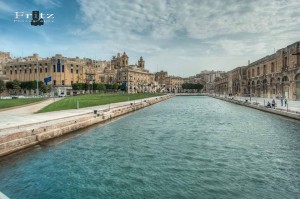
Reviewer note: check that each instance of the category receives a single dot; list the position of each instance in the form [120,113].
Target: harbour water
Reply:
[185,147]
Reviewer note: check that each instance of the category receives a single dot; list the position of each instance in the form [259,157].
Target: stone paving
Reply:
[15,118]
[291,105]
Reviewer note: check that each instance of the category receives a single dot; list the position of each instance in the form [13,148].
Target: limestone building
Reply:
[4,58]
[136,78]
[168,83]
[63,71]
[273,76]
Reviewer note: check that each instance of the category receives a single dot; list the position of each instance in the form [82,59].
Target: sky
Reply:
[180,37]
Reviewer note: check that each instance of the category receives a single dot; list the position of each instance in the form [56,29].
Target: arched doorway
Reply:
[253,88]
[285,87]
[265,88]
[258,89]
[298,86]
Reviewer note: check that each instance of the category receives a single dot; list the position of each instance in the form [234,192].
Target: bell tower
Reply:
[141,63]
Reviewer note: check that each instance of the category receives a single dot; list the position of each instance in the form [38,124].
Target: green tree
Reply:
[9,85]
[101,87]
[115,86]
[77,86]
[2,86]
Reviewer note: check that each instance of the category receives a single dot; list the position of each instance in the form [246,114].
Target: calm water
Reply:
[186,147]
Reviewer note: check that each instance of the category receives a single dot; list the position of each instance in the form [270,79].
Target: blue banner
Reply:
[124,84]
[47,79]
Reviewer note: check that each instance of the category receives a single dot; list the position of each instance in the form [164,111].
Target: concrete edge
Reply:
[2,196]
[18,143]
[262,108]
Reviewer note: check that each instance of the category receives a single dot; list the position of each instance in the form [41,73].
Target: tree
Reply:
[2,86]
[198,86]
[13,85]
[101,87]
[115,86]
[77,86]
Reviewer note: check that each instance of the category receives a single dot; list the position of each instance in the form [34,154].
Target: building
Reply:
[273,76]
[4,58]
[135,78]
[63,71]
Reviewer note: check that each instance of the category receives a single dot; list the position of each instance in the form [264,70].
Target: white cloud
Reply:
[48,3]
[5,8]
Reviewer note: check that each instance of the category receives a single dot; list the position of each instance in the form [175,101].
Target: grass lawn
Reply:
[7,103]
[93,100]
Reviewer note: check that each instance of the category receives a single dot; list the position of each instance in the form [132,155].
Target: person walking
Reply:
[273,103]
[285,102]
[281,100]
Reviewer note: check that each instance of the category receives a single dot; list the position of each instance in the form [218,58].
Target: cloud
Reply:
[192,18]
[48,3]
[6,8]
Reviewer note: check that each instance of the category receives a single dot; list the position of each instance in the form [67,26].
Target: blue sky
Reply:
[182,37]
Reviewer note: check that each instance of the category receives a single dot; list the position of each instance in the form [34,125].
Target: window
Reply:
[71,70]
[30,71]
[35,70]
[25,71]
[258,72]
[46,70]
[272,67]
[63,82]
[285,61]
[63,68]
[54,68]
[54,82]
[71,82]
[11,72]
[41,70]
[76,71]
[46,64]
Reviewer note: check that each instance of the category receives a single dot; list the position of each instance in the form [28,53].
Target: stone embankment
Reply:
[279,111]
[14,139]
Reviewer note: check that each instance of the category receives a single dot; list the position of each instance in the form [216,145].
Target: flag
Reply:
[47,79]
[87,83]
[91,82]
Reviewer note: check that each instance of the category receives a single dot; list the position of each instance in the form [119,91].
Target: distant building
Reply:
[63,71]
[273,76]
[4,58]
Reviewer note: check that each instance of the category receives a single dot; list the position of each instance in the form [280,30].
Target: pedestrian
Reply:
[273,103]
[285,102]
[281,100]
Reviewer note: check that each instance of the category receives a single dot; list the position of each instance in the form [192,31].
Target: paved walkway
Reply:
[291,105]
[26,115]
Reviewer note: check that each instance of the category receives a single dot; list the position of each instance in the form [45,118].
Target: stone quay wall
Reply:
[282,112]
[29,135]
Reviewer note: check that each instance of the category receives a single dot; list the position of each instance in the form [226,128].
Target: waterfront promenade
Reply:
[20,129]
[15,118]
[292,106]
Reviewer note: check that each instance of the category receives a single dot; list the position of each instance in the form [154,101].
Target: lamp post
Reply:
[37,77]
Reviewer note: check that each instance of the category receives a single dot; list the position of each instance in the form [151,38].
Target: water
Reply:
[186,147]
